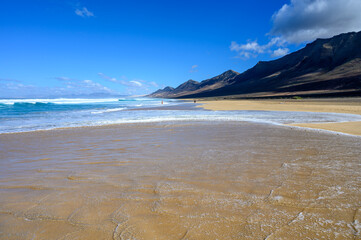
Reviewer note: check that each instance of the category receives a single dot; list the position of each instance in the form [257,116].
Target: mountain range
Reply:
[325,67]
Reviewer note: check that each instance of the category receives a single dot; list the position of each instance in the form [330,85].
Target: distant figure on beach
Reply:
[194,101]
[162,101]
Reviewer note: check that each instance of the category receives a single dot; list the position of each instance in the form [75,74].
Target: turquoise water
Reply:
[23,115]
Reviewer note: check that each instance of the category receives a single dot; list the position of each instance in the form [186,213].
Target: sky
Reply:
[62,48]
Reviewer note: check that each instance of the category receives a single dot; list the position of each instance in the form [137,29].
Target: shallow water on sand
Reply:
[25,115]
[191,180]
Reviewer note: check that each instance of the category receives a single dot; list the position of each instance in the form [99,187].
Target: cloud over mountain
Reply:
[305,20]
[275,47]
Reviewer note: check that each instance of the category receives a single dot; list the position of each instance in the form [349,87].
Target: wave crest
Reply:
[108,110]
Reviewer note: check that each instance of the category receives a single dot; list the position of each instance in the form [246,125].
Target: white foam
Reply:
[357,226]
[94,115]
[170,118]
[58,100]
[300,216]
[108,110]
[278,198]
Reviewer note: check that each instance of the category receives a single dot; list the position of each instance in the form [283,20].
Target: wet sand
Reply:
[353,128]
[180,181]
[336,105]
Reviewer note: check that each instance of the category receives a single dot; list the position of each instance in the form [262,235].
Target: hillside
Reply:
[324,67]
[194,87]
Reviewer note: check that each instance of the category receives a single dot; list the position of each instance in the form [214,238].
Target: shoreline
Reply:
[333,105]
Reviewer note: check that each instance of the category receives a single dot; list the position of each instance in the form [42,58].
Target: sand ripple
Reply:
[197,181]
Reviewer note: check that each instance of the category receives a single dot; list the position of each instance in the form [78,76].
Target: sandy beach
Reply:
[336,105]
[196,180]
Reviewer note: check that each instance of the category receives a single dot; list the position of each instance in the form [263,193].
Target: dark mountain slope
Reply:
[322,67]
[193,87]
[163,91]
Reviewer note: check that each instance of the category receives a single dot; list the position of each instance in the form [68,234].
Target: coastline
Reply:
[333,105]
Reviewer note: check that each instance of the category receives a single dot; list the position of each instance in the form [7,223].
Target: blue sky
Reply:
[64,47]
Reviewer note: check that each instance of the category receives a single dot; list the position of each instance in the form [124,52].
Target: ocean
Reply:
[24,115]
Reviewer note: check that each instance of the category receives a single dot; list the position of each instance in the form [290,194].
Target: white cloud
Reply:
[253,48]
[136,83]
[102,75]
[96,86]
[280,52]
[63,78]
[248,50]
[194,68]
[154,84]
[69,87]
[250,46]
[16,86]
[122,81]
[84,86]
[8,80]
[84,12]
[305,20]
[15,89]
[135,86]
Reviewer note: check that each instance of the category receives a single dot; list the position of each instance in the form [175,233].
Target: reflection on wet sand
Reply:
[180,181]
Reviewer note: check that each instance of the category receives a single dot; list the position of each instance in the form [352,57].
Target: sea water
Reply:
[23,115]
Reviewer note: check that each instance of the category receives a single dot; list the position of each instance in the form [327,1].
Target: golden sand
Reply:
[353,128]
[173,181]
[349,106]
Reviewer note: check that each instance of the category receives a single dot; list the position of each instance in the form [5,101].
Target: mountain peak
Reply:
[191,81]
[189,85]
[168,88]
[231,71]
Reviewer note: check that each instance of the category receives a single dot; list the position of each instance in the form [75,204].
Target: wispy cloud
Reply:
[102,75]
[280,52]
[253,48]
[83,12]
[8,80]
[95,86]
[133,86]
[136,83]
[63,79]
[154,84]
[84,86]
[193,69]
[250,49]
[121,81]
[13,88]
